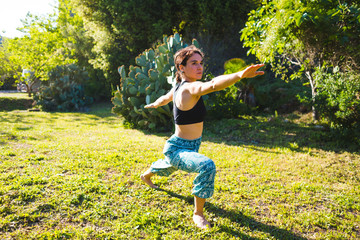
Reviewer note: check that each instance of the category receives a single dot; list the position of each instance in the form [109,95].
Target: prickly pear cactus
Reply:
[153,76]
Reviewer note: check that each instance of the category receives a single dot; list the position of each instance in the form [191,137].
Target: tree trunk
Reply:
[28,90]
[315,112]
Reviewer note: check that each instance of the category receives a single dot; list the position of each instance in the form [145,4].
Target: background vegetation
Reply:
[300,38]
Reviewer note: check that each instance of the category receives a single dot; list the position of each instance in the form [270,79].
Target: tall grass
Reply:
[76,176]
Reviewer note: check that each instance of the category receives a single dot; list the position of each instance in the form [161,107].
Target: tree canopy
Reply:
[39,51]
[298,37]
[123,29]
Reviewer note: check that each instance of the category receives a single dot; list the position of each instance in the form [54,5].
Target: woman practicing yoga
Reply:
[181,149]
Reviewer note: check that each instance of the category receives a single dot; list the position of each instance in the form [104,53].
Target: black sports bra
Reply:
[194,115]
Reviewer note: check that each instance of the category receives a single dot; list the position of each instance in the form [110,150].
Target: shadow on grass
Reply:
[279,133]
[238,217]
[252,132]
[259,133]
[11,104]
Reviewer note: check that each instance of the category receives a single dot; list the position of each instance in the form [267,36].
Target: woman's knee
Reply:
[209,167]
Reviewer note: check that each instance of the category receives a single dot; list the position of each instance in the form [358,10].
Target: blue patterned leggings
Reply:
[183,154]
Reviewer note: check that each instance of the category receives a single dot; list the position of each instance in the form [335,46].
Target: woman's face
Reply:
[194,68]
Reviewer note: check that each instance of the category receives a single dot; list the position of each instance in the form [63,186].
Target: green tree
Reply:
[123,29]
[80,44]
[6,68]
[299,37]
[39,51]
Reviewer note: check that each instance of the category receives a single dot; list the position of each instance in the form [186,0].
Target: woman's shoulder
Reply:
[193,87]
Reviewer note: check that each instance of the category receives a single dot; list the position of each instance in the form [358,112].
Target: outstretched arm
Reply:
[224,81]
[161,101]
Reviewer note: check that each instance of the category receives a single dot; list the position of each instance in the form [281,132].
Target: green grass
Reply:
[76,176]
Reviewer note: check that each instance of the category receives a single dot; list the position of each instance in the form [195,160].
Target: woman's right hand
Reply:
[251,71]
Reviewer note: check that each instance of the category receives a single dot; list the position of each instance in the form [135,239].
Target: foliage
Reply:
[64,90]
[223,105]
[76,176]
[215,24]
[39,51]
[7,82]
[3,72]
[289,28]
[296,37]
[152,78]
[339,98]
[122,29]
[253,95]
[273,94]
[80,44]
[6,68]
[229,102]
[234,65]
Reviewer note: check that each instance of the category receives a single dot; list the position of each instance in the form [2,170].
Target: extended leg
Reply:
[161,168]
[146,177]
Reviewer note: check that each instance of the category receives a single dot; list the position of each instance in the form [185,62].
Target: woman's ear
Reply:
[181,68]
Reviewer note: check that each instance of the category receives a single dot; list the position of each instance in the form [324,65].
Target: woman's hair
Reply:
[182,56]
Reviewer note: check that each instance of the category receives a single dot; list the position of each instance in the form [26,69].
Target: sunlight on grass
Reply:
[76,175]
[15,95]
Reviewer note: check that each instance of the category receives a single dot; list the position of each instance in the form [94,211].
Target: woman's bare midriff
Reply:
[189,131]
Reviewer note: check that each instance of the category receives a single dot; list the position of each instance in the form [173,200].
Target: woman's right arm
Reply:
[161,101]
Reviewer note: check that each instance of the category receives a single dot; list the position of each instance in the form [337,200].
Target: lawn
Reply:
[76,176]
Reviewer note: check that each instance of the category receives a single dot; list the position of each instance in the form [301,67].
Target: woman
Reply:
[181,150]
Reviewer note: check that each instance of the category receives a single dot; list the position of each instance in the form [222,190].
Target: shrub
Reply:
[275,94]
[152,78]
[338,98]
[64,90]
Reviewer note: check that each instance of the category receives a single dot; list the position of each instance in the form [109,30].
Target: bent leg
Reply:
[196,162]
[162,167]
[198,217]
[203,183]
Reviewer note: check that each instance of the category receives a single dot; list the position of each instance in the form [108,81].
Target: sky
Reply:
[11,11]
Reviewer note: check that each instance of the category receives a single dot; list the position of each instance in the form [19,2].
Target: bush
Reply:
[274,94]
[222,104]
[64,90]
[338,98]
